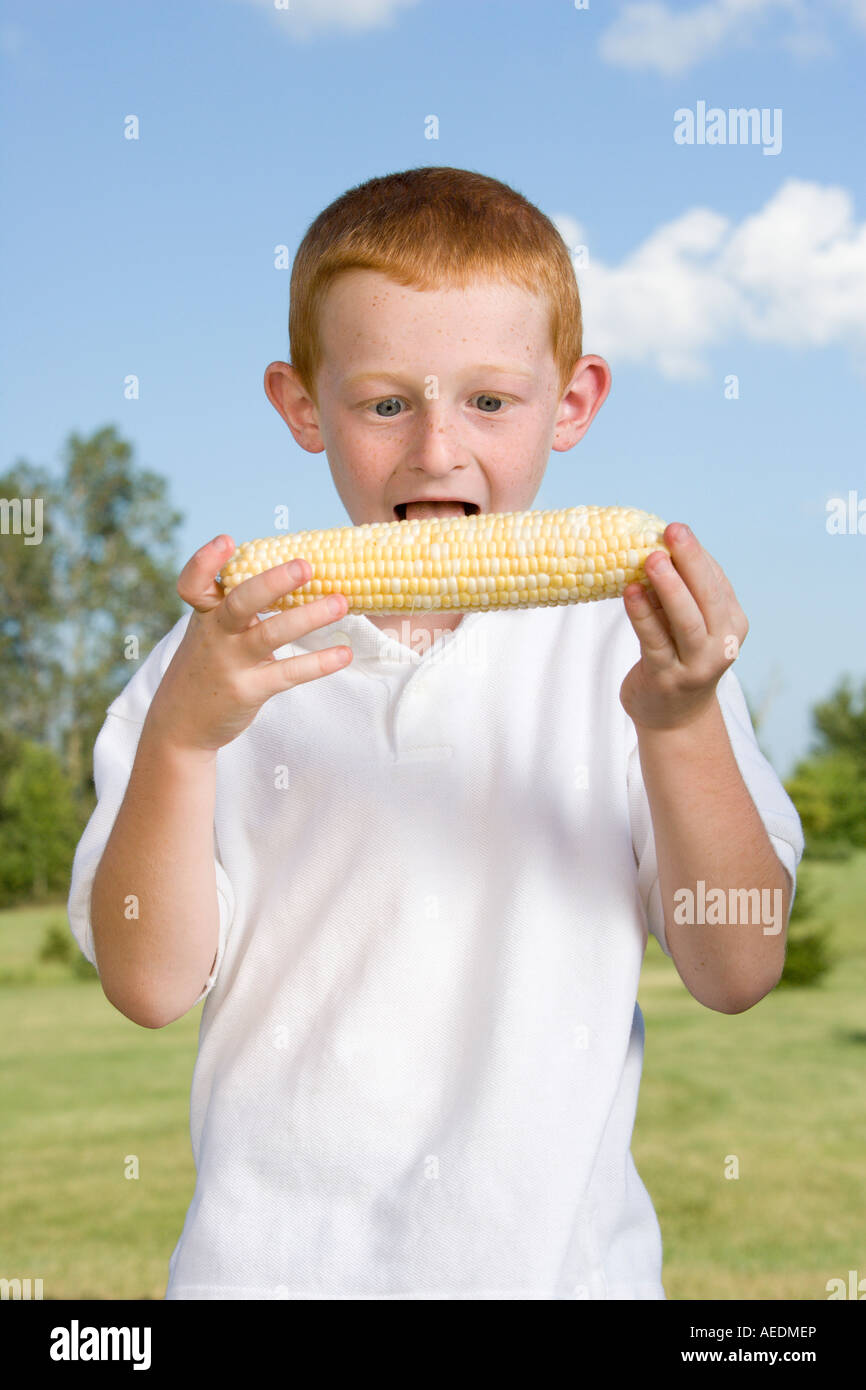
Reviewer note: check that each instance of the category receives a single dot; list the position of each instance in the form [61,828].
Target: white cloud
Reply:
[303,18]
[571,232]
[856,12]
[649,34]
[793,273]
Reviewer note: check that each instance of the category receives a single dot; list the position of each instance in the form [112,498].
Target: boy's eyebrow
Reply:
[358,377]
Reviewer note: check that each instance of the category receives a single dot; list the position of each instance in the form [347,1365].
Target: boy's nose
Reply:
[437,446]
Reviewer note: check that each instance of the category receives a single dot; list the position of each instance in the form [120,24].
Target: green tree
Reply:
[30,669]
[101,584]
[829,792]
[808,954]
[40,824]
[828,787]
[840,724]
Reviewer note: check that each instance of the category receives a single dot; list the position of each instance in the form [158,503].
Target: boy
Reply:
[415,895]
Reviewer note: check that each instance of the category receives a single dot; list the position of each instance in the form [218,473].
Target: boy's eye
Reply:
[391,401]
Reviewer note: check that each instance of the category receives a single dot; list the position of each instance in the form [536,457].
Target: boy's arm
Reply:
[154,960]
[706,827]
[156,872]
[708,833]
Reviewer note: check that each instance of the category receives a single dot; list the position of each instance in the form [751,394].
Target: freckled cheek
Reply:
[353,443]
[521,454]
[508,474]
[365,459]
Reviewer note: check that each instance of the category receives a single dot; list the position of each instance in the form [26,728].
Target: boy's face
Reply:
[445,393]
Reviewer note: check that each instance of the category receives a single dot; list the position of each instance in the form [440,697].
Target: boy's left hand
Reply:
[690,628]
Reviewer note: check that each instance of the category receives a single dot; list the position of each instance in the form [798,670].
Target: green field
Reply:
[85,1094]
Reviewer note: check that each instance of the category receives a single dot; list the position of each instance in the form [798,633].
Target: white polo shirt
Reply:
[420,1048]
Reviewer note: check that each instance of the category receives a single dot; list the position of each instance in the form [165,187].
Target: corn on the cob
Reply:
[490,560]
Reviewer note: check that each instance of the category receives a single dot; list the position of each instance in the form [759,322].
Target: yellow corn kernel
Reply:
[490,560]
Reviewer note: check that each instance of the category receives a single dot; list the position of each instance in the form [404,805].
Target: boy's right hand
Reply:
[225,669]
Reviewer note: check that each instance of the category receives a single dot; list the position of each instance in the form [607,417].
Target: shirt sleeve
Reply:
[774,806]
[113,756]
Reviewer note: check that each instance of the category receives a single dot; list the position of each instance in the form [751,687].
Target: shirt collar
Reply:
[371,644]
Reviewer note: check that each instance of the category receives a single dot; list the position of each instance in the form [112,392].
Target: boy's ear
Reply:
[289,398]
[584,396]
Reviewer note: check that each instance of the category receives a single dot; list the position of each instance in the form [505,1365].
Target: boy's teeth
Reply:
[424,509]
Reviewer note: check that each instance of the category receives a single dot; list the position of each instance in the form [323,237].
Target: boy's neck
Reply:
[417,633]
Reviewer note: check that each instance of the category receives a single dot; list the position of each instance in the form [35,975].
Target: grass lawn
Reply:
[89,1099]
[780,1088]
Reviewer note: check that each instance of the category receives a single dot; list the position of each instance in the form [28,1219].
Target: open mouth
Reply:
[469,508]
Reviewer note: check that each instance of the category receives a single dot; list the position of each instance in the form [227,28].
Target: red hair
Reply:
[426,228]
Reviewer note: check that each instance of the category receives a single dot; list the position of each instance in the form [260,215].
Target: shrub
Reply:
[808,956]
[59,944]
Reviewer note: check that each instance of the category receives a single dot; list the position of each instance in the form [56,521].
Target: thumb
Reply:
[196,584]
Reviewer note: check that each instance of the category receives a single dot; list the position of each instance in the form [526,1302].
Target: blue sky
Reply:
[700,261]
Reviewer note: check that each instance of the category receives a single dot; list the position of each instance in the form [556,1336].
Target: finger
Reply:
[652,597]
[289,671]
[704,580]
[649,622]
[715,566]
[257,594]
[196,583]
[720,575]
[290,624]
[739,623]
[687,624]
